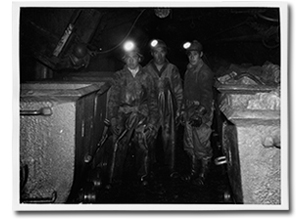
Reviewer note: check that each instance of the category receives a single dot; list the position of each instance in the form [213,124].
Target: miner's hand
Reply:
[149,131]
[195,121]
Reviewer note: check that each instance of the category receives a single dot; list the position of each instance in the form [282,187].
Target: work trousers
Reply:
[130,137]
[197,139]
[166,130]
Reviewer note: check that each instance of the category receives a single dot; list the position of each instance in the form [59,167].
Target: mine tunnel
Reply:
[68,56]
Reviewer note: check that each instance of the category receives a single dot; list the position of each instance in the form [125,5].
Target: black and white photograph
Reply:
[151,106]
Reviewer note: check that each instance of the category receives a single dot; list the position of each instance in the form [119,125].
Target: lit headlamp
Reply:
[129,46]
[186,45]
[156,43]
[153,43]
[193,46]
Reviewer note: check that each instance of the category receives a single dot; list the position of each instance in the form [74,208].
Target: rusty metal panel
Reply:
[260,166]
[56,133]
[100,157]
[251,142]
[231,152]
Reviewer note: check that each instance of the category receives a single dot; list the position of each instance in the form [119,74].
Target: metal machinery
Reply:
[249,118]
[60,130]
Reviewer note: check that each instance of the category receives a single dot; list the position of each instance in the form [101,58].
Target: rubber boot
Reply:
[144,172]
[199,180]
[194,170]
[171,172]
[204,168]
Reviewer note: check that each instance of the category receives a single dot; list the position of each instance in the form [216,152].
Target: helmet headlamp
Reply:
[154,43]
[129,46]
[187,45]
[157,43]
[193,46]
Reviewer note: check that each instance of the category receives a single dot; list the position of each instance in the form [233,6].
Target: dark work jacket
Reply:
[132,94]
[168,85]
[198,85]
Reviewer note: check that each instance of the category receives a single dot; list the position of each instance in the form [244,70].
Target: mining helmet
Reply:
[130,48]
[194,46]
[156,43]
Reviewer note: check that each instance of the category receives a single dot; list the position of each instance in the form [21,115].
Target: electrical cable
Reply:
[267,18]
[132,26]
[269,44]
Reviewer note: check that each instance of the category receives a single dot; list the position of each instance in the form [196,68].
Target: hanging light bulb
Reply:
[162,12]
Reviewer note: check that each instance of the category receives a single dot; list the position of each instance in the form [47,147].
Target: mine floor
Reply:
[162,190]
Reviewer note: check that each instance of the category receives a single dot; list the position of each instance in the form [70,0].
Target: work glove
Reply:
[201,111]
[180,118]
[196,118]
[149,131]
[195,121]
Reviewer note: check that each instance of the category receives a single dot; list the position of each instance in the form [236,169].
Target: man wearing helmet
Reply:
[133,112]
[169,95]
[197,113]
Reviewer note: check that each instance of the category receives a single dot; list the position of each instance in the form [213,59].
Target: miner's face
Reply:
[159,55]
[132,60]
[194,57]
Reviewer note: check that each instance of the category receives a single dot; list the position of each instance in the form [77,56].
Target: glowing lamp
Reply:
[154,43]
[186,45]
[129,46]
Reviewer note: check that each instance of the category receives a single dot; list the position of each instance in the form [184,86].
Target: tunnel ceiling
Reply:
[238,35]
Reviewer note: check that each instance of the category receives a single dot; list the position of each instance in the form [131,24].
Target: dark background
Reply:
[229,35]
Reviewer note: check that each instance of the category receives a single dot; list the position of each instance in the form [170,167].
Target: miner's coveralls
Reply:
[169,89]
[132,108]
[198,93]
